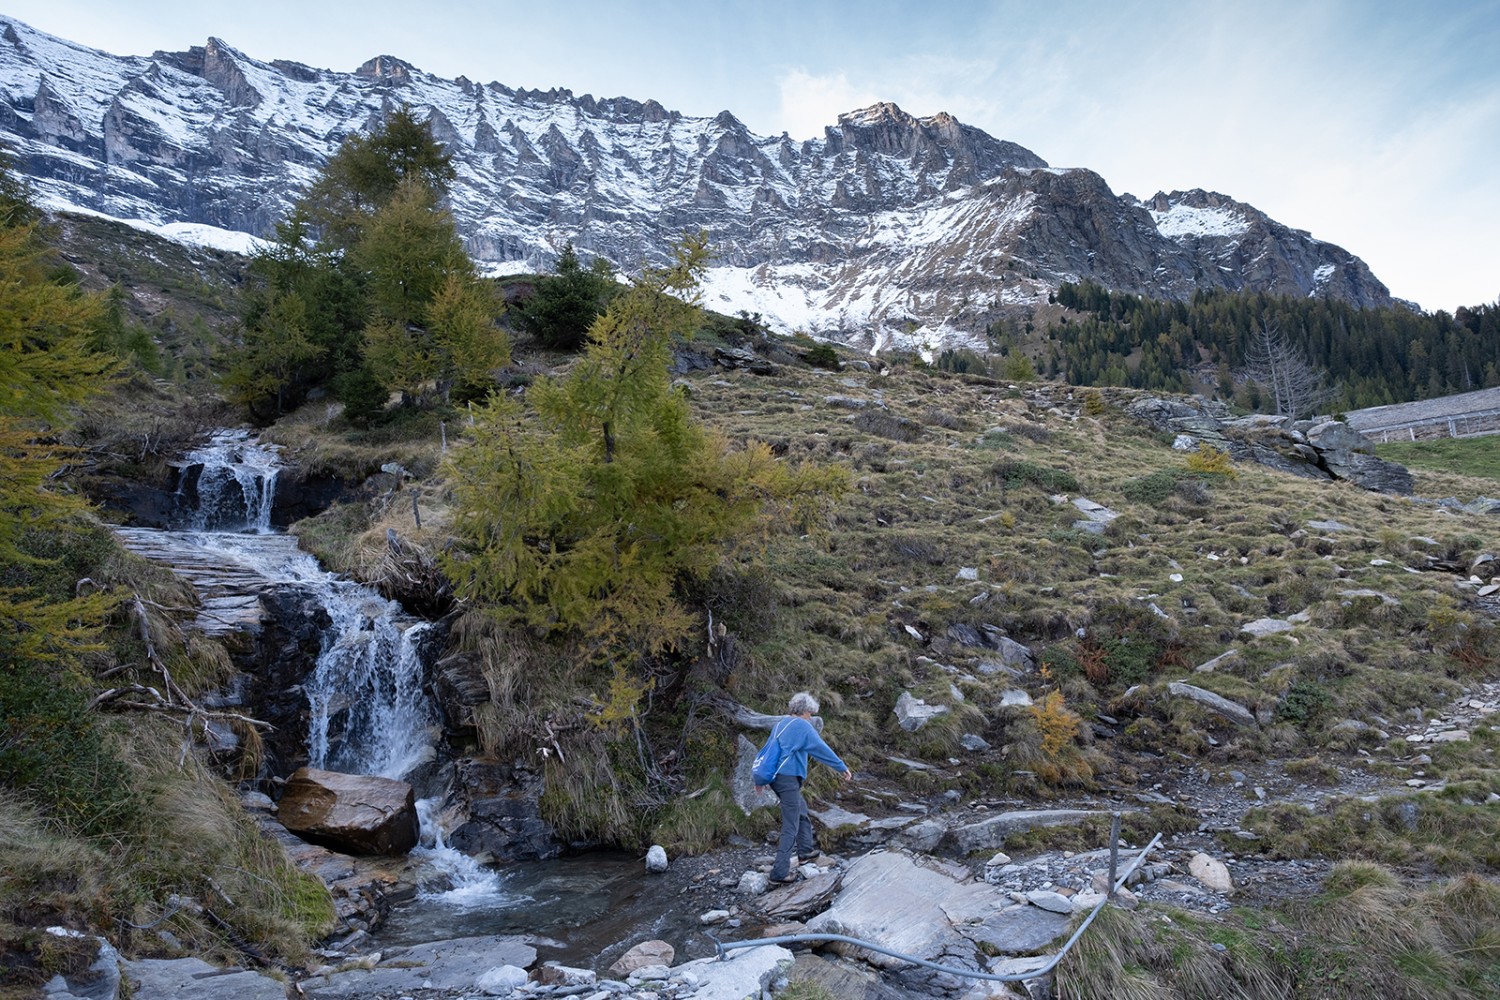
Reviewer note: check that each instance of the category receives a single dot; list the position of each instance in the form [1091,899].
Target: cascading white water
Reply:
[368,711]
[237,486]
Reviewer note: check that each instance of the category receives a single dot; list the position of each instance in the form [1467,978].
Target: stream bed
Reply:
[368,711]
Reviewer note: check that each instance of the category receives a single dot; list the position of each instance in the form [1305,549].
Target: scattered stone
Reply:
[1234,712]
[656,859]
[1085,901]
[973,742]
[914,712]
[1449,736]
[1095,512]
[501,981]
[1329,525]
[801,900]
[362,814]
[642,955]
[651,974]
[753,883]
[563,976]
[1211,872]
[1051,901]
[1266,626]
[1014,698]
[1224,659]
[999,859]
[713,917]
[968,573]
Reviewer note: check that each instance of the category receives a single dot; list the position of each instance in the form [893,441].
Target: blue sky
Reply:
[1374,125]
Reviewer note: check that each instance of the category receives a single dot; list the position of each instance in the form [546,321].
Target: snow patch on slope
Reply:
[1184,220]
[191,234]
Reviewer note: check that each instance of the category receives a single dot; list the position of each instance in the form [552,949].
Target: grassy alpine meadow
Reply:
[1476,456]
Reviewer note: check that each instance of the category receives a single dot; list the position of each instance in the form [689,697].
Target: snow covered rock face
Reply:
[885,219]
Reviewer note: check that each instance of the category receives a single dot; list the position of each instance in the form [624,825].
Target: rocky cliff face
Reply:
[887,227]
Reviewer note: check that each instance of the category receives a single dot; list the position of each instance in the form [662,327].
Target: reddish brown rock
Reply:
[356,813]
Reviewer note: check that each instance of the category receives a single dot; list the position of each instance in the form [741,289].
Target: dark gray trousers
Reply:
[796,828]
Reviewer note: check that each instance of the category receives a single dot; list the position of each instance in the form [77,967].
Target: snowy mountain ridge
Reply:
[887,229]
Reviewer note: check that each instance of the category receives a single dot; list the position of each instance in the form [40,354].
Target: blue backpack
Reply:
[770,760]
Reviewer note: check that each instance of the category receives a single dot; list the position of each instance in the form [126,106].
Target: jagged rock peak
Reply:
[885,223]
[221,67]
[879,113]
[388,68]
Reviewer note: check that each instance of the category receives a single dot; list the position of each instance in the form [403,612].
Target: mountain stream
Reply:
[369,713]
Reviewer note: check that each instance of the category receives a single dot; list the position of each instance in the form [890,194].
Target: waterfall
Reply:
[237,485]
[368,712]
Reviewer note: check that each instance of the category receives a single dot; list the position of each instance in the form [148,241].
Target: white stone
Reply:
[1014,698]
[650,974]
[1175,577]
[753,883]
[744,972]
[1085,901]
[713,917]
[999,859]
[501,981]
[656,859]
[913,713]
[967,573]
[1053,902]
[1211,872]
[1267,626]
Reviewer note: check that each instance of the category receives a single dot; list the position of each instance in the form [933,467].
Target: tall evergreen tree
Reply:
[566,303]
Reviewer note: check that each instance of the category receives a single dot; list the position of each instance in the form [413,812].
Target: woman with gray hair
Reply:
[797,740]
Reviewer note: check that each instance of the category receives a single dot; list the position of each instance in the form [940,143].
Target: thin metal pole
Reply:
[1114,849]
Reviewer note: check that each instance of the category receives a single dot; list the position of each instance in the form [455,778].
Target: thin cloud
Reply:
[810,103]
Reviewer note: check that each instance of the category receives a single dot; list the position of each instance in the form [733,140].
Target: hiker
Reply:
[783,765]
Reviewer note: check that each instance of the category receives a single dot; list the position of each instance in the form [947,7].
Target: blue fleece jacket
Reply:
[799,741]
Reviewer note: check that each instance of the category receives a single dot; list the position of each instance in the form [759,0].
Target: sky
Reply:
[1372,124]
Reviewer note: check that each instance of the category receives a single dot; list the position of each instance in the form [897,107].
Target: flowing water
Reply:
[370,715]
[368,710]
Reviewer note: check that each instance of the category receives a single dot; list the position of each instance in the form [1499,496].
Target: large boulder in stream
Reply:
[357,813]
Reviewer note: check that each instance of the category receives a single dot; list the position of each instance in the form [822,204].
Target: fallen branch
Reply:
[749,717]
[160,705]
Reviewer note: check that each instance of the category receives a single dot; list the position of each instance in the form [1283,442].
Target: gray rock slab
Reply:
[800,899]
[1054,902]
[195,979]
[743,973]
[1218,704]
[1224,659]
[742,784]
[1018,930]
[833,817]
[909,905]
[442,965]
[100,982]
[1266,626]
[989,833]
